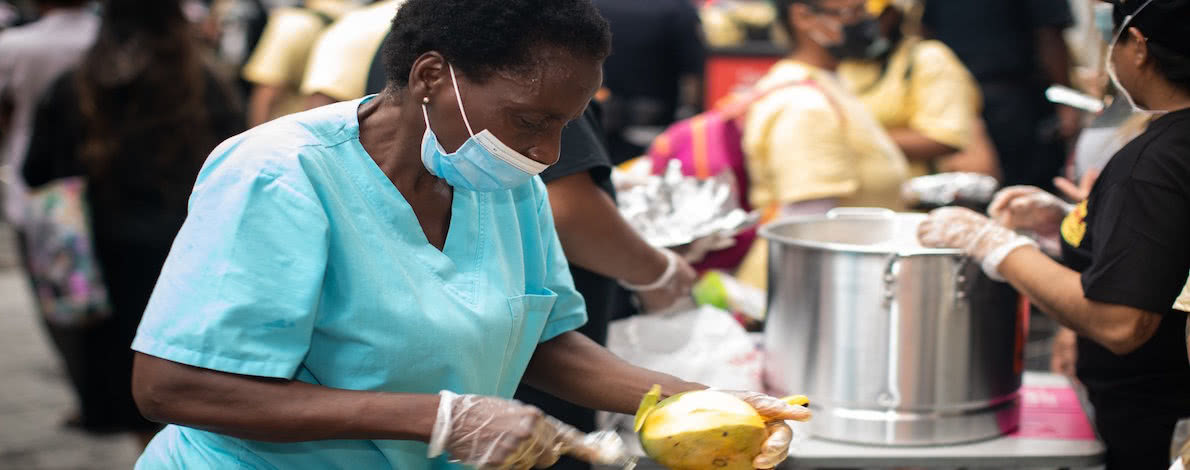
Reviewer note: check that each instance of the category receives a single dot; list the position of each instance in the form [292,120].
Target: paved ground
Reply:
[34,397]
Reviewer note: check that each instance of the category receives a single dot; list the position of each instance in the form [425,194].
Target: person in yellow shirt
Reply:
[922,94]
[338,67]
[810,144]
[277,64]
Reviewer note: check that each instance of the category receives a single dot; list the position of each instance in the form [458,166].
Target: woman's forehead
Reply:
[555,82]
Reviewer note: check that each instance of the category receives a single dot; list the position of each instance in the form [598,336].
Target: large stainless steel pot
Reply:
[894,343]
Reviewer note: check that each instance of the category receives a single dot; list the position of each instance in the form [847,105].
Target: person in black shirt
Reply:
[137,118]
[601,247]
[1125,250]
[1015,49]
[655,68]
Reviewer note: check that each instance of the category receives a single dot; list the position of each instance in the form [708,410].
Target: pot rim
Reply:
[766,231]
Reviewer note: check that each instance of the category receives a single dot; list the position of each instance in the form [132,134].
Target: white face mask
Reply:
[1111,66]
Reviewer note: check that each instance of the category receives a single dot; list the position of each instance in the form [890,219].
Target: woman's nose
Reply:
[547,154]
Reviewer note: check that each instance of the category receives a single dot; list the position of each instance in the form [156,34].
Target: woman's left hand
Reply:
[775,412]
[1028,208]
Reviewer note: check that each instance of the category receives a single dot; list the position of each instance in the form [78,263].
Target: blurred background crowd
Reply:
[133,95]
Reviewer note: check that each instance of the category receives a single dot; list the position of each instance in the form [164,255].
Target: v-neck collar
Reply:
[460,261]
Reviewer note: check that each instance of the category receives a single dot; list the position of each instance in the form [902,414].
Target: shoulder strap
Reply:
[734,107]
[738,108]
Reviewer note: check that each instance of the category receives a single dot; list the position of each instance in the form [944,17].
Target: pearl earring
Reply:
[425,100]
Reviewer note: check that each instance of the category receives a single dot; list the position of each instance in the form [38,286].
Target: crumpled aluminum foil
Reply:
[671,209]
[947,189]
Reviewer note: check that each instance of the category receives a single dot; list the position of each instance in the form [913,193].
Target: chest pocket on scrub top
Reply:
[529,314]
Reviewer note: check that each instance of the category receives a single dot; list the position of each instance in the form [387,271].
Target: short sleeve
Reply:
[240,288]
[1050,13]
[797,150]
[569,311]
[1138,231]
[280,56]
[342,57]
[943,96]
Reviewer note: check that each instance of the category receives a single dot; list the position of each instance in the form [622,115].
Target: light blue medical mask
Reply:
[483,163]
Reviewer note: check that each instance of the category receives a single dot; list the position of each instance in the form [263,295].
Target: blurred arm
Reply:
[317,100]
[1058,291]
[261,103]
[596,237]
[917,147]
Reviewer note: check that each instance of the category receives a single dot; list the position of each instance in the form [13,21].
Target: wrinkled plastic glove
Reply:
[489,433]
[698,250]
[780,436]
[1029,208]
[977,236]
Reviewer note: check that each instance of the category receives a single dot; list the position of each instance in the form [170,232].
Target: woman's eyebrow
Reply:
[522,107]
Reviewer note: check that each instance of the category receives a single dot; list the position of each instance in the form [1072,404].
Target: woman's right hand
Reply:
[1028,208]
[490,433]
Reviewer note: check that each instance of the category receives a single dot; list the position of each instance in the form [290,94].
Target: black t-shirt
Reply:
[654,44]
[1131,242]
[584,150]
[995,38]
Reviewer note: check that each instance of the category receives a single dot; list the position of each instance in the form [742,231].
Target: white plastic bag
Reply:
[698,344]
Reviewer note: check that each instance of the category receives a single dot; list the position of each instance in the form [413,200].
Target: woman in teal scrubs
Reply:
[364,285]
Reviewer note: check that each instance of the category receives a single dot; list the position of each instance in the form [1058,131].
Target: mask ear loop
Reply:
[425,113]
[459,98]
[1127,21]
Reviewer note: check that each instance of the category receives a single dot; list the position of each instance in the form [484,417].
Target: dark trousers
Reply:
[1136,441]
[97,357]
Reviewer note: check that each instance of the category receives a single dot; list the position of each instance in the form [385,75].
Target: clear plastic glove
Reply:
[697,250]
[780,436]
[675,284]
[1029,208]
[489,433]
[977,236]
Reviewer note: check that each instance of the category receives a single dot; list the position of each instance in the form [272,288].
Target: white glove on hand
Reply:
[977,236]
[1029,208]
[775,412]
[489,433]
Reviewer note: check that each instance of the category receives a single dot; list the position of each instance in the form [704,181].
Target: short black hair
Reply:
[782,7]
[483,36]
[1164,23]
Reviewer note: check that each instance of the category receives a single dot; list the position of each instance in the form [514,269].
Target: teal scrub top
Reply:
[300,260]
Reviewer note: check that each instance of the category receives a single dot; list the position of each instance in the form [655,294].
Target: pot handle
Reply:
[890,395]
[960,278]
[860,213]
